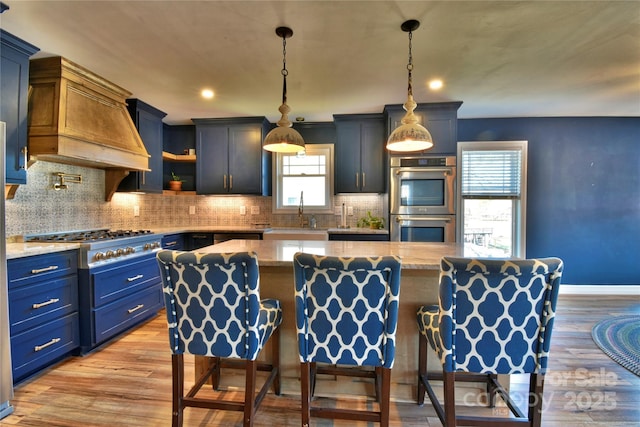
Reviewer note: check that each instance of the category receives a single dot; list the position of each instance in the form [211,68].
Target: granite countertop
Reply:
[279,253]
[21,250]
[260,229]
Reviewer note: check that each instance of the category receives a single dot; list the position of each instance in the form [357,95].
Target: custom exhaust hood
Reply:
[77,117]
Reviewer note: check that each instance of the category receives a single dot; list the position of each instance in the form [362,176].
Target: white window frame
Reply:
[519,207]
[277,176]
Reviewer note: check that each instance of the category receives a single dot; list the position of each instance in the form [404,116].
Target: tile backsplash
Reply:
[38,208]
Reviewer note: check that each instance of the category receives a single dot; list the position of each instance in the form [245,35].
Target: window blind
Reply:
[491,173]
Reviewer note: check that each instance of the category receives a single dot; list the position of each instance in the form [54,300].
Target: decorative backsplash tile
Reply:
[38,208]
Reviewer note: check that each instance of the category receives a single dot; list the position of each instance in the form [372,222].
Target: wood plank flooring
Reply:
[128,383]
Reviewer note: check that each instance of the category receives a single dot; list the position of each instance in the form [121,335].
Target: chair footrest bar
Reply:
[345,414]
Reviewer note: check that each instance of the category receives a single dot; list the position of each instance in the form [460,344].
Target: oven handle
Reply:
[447,171]
[422,218]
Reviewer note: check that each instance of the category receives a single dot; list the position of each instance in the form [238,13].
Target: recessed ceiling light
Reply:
[435,84]
[207,93]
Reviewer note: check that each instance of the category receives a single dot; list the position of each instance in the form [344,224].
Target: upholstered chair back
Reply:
[347,309]
[213,304]
[496,316]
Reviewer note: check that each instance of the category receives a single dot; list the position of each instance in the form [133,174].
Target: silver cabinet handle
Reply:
[42,270]
[134,278]
[169,244]
[43,304]
[45,345]
[364,184]
[357,180]
[230,182]
[24,152]
[136,308]
[224,181]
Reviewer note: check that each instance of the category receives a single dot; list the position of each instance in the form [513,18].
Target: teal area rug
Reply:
[619,337]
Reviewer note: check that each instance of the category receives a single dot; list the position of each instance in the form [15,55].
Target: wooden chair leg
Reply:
[422,367]
[536,387]
[305,384]
[215,375]
[378,382]
[491,390]
[313,369]
[275,359]
[177,369]
[250,393]
[449,399]
[385,396]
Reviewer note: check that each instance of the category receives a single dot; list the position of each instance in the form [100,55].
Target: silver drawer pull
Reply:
[43,346]
[42,304]
[169,244]
[136,308]
[42,270]
[134,278]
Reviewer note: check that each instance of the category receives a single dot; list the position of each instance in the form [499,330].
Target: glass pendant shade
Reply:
[410,135]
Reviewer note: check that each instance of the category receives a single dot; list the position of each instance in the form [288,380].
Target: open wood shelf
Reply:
[187,158]
[178,193]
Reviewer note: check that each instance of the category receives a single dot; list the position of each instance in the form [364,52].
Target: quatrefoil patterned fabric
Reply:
[213,304]
[494,316]
[347,309]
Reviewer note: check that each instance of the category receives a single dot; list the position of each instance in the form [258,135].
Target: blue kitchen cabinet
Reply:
[230,158]
[360,157]
[173,242]
[148,121]
[43,311]
[440,119]
[14,79]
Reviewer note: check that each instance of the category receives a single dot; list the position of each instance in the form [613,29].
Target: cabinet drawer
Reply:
[118,282]
[23,271]
[32,305]
[118,316]
[37,347]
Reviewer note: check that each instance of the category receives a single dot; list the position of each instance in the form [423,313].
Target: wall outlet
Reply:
[192,210]
[349,210]
[255,210]
[243,210]
[136,211]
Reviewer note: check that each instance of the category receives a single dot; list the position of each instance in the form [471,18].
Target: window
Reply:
[309,174]
[492,202]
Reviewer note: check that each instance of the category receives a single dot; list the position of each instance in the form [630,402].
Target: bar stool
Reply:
[494,317]
[214,309]
[346,315]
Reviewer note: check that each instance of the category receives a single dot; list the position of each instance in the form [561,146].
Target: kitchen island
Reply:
[419,285]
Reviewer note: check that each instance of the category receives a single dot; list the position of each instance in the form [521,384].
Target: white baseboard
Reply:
[600,289]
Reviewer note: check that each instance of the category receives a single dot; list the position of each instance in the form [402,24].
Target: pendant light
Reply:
[283,138]
[410,135]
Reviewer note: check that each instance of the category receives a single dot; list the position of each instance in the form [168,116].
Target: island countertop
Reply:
[279,253]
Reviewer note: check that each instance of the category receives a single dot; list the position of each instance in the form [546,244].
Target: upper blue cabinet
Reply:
[230,158]
[148,121]
[14,76]
[360,153]
[440,119]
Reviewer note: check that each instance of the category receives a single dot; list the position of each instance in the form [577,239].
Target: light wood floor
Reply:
[128,383]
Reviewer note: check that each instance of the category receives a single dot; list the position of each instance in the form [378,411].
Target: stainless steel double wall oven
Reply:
[422,199]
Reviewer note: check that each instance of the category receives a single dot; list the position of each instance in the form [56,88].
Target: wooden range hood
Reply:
[77,117]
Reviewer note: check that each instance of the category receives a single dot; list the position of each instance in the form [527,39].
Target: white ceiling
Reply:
[501,58]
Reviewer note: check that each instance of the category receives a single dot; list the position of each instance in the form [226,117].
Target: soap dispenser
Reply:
[312,222]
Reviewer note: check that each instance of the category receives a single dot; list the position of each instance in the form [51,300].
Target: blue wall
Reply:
[583,201]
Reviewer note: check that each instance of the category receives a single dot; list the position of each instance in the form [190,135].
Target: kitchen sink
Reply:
[295,234]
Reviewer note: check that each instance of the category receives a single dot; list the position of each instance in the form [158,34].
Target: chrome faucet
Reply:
[301,210]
